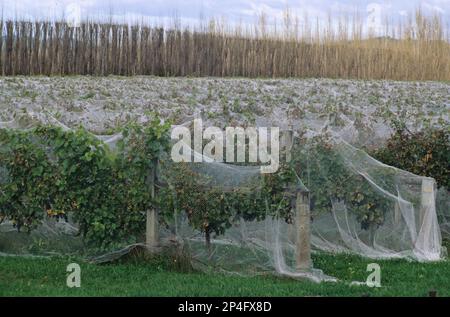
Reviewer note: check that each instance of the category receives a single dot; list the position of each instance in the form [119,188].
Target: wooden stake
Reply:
[287,143]
[397,213]
[304,233]
[152,234]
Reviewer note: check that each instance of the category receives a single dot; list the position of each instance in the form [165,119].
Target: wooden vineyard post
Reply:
[300,195]
[397,213]
[287,143]
[152,233]
[303,219]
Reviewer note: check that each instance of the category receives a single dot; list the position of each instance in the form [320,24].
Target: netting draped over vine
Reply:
[233,218]
[358,205]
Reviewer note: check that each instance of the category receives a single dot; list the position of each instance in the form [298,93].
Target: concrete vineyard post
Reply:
[427,202]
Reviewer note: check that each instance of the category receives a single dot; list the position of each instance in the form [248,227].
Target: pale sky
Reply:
[190,11]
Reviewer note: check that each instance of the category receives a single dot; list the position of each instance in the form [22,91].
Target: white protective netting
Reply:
[402,224]
[358,205]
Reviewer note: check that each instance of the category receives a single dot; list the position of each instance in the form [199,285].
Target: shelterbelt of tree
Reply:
[419,50]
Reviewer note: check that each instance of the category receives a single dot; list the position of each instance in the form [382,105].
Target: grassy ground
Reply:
[160,277]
